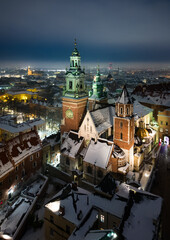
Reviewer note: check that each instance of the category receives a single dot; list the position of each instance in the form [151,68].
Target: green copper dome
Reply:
[97,91]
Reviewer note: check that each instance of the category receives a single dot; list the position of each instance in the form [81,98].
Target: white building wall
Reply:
[129,156]
[88,129]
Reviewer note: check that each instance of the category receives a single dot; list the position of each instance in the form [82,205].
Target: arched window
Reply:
[121,110]
[73,63]
[127,110]
[99,174]
[121,135]
[89,170]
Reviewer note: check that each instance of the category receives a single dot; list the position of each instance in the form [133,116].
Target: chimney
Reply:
[74,186]
[62,210]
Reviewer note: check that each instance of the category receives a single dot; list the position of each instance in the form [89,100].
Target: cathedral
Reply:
[98,138]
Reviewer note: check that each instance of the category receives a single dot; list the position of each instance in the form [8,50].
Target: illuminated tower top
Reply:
[75,77]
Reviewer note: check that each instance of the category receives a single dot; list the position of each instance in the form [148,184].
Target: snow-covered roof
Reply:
[5,164]
[80,200]
[103,118]
[162,100]
[99,153]
[12,127]
[16,149]
[118,152]
[140,110]
[72,144]
[81,231]
[144,215]
[10,224]
[24,145]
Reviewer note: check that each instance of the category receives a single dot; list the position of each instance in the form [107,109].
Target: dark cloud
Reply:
[43,28]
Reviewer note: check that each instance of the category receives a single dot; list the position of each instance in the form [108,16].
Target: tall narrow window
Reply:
[72,63]
[121,124]
[121,110]
[127,110]
[121,135]
[70,85]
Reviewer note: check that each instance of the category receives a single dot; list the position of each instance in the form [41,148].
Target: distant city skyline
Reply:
[106,31]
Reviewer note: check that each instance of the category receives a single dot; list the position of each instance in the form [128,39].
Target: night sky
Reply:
[106,30]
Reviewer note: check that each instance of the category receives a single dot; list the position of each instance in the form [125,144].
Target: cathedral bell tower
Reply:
[74,94]
[97,95]
[124,126]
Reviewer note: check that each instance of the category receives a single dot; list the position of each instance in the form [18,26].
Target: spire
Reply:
[75,43]
[124,97]
[75,51]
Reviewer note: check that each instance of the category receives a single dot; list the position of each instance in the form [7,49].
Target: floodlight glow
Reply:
[54,206]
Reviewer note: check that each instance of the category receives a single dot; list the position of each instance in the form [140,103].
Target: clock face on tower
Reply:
[69,113]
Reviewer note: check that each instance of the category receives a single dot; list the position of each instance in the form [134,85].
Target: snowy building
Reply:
[71,159]
[118,209]
[110,126]
[74,211]
[9,127]
[51,149]
[164,124]
[98,160]
[20,158]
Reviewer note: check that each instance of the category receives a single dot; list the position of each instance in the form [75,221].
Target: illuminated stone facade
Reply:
[124,126]
[164,123]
